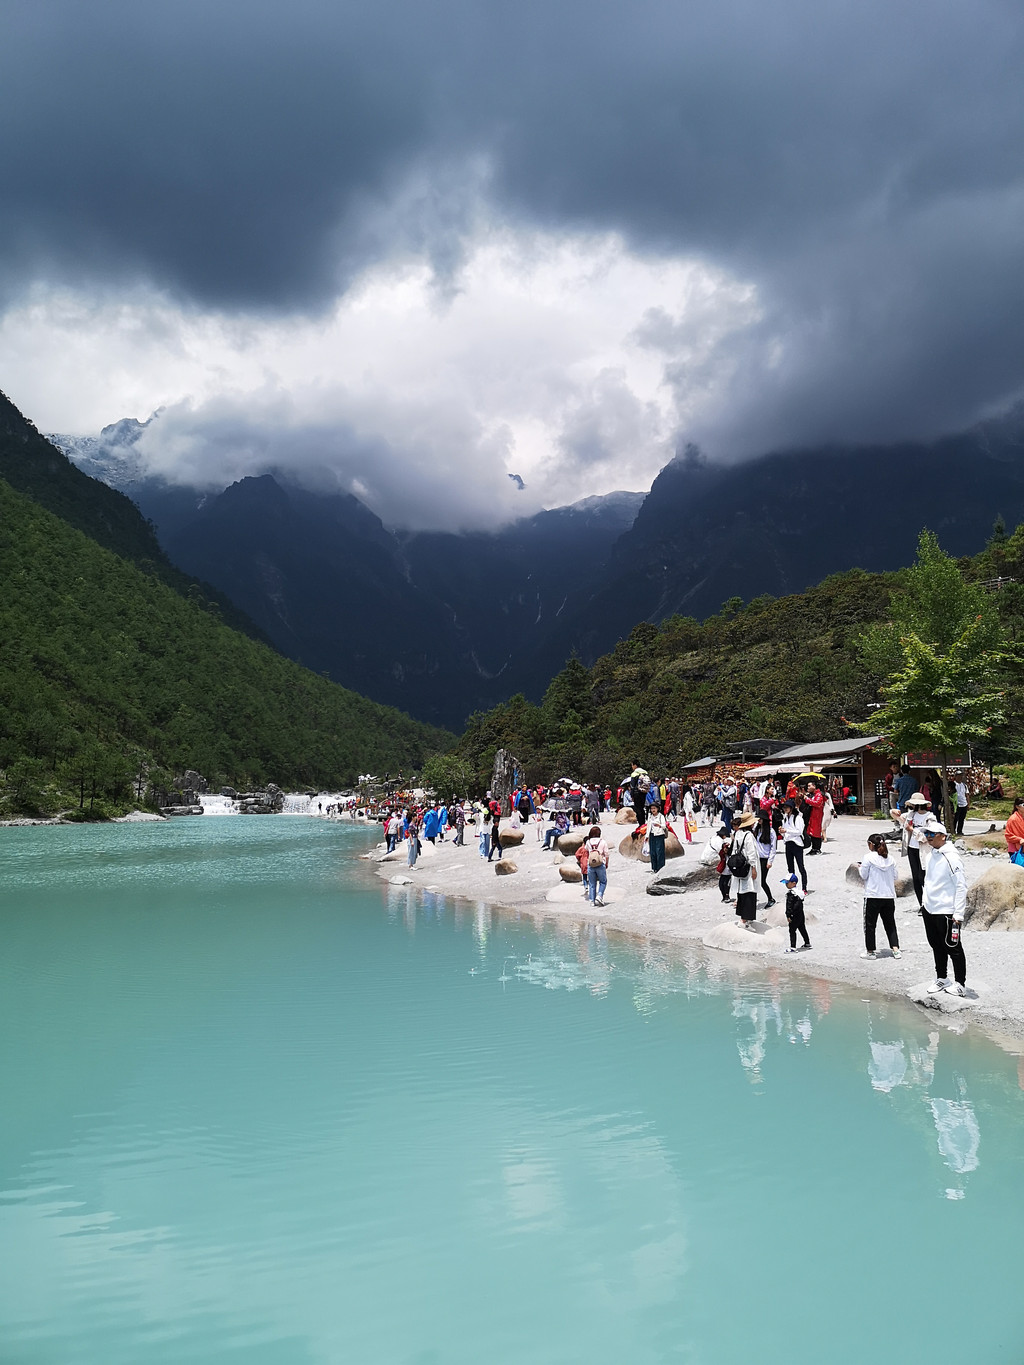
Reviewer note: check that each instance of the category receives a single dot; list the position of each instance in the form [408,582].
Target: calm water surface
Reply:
[257,1109]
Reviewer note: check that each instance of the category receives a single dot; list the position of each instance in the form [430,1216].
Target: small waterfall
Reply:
[296,803]
[217,805]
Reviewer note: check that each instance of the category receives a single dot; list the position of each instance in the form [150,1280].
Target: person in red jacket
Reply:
[815,803]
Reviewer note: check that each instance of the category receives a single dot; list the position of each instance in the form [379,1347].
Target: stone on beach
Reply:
[511,838]
[569,872]
[569,843]
[996,900]
[504,867]
[633,848]
[942,1001]
[734,939]
[625,815]
[681,879]
[400,881]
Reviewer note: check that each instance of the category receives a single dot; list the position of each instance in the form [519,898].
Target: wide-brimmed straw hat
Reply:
[747,820]
[918,800]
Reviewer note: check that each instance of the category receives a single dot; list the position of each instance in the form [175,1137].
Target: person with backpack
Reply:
[639,783]
[597,865]
[743,869]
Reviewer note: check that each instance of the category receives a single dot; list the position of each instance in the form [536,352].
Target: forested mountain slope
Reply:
[105,672]
[33,465]
[782,667]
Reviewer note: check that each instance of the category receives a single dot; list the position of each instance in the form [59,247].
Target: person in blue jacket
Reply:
[431,824]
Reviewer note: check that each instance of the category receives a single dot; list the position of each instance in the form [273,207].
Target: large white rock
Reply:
[730,938]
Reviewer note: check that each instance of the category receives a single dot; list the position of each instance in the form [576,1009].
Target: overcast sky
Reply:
[413,248]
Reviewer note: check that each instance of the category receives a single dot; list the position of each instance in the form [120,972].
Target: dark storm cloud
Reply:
[859,163]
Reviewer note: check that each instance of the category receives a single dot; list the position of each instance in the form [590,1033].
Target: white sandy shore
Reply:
[995,960]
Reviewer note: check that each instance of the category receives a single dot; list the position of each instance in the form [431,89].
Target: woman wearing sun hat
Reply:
[744,884]
[914,819]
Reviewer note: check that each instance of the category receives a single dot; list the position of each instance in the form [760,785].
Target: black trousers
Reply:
[937,928]
[873,907]
[725,886]
[764,881]
[916,873]
[746,906]
[795,920]
[795,859]
[960,815]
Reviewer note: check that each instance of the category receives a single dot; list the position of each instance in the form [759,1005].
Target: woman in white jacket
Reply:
[744,888]
[793,837]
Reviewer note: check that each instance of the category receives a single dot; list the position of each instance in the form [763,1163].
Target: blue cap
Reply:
[785,881]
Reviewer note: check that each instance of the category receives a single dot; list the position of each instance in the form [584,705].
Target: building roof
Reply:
[757,748]
[834,748]
[708,762]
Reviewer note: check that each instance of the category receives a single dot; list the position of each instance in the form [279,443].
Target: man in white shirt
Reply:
[945,904]
[962,803]
[878,873]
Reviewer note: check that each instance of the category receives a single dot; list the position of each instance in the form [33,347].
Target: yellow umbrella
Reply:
[803,776]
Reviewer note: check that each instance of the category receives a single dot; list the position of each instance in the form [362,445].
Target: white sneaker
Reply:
[956,989]
[865,953]
[896,952]
[789,950]
[599,901]
[938,986]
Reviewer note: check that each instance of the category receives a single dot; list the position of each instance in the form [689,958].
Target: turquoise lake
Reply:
[258,1107]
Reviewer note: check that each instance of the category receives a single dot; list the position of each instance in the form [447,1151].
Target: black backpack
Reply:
[738,863]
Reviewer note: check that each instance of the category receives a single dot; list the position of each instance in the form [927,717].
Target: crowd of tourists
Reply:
[749,823]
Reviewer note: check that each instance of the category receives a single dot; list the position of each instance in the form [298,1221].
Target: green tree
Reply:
[448,776]
[941,655]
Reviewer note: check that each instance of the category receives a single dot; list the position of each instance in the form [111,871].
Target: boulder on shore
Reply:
[633,848]
[667,884]
[904,884]
[504,867]
[680,879]
[996,900]
[625,815]
[576,838]
[570,872]
[511,838]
